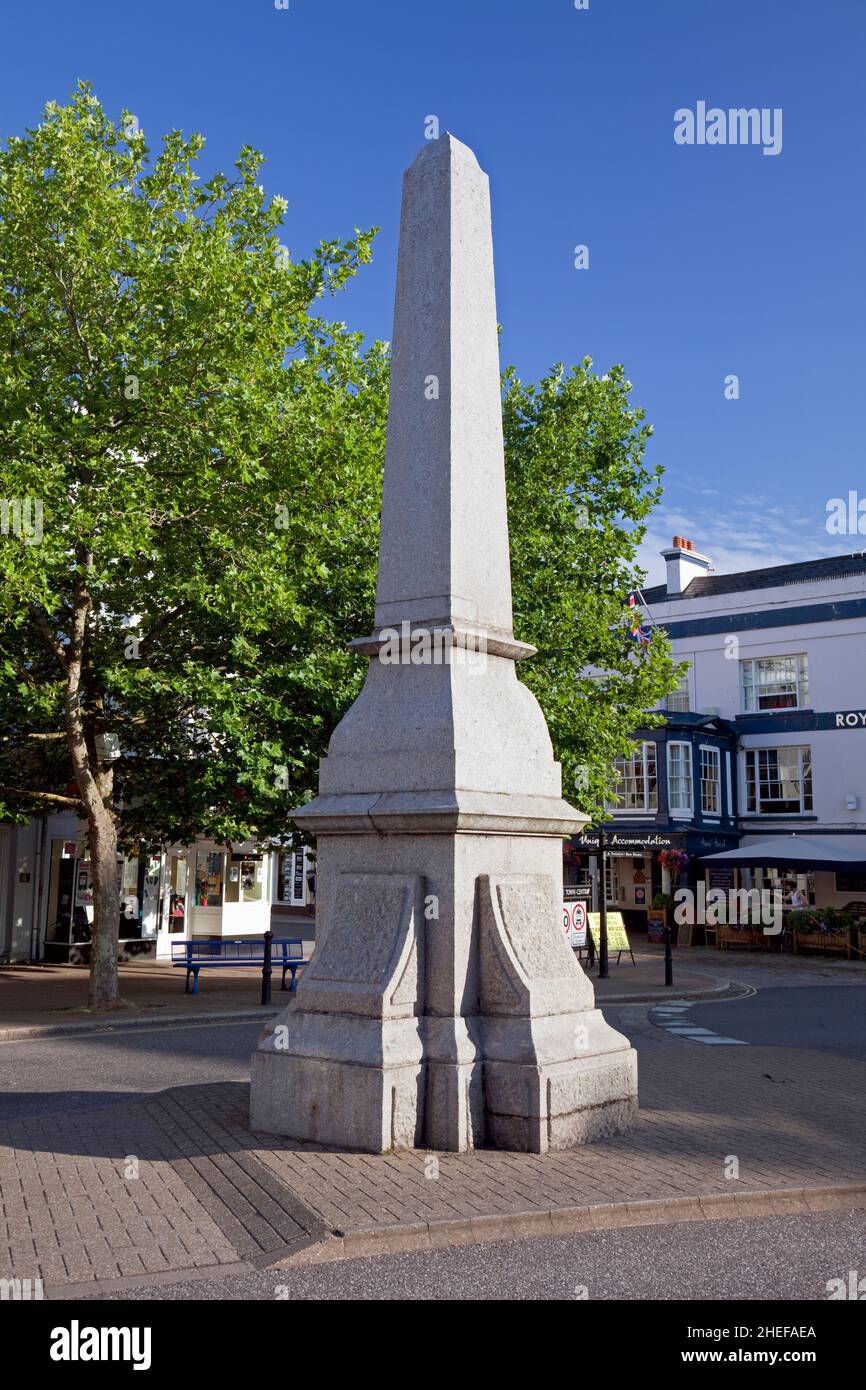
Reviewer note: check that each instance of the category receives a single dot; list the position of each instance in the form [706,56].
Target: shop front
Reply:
[69,912]
[202,890]
[215,891]
[638,866]
[816,883]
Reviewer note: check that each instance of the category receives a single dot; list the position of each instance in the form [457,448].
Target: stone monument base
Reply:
[543,1109]
[529,1064]
[374,1109]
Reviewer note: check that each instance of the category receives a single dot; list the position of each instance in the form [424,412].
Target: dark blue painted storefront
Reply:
[650,833]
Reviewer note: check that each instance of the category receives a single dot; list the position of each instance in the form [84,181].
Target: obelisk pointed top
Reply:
[446,144]
[443,553]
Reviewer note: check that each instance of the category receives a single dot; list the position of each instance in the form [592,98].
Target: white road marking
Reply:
[737,1042]
[680,1027]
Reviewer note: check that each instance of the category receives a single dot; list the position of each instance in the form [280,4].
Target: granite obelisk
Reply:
[442,1006]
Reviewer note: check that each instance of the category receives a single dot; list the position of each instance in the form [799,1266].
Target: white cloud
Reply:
[752,532]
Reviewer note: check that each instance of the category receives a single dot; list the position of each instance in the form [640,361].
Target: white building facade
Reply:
[765,738]
[780,655]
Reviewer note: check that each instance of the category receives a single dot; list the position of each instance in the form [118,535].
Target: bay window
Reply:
[637,787]
[711,781]
[680,801]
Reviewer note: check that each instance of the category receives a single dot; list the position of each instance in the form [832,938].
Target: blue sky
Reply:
[705,261]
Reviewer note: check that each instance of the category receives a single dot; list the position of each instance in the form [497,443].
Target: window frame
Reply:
[683,689]
[750,688]
[650,803]
[681,811]
[716,753]
[754,807]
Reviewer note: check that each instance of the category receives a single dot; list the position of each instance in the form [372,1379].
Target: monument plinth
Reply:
[442,1007]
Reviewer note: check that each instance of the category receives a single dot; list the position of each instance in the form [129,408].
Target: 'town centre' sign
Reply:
[574,907]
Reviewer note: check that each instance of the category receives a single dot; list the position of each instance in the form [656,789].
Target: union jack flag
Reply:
[640,633]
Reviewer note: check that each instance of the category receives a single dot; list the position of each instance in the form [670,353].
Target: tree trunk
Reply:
[104,992]
[96,785]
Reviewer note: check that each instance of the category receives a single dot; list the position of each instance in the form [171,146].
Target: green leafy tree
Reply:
[188,457]
[579,493]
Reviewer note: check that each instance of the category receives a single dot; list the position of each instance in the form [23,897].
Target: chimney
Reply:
[684,564]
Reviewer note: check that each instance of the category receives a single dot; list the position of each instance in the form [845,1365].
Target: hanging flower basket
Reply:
[675,860]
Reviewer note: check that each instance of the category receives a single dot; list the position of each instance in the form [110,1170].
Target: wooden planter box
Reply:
[739,936]
[830,943]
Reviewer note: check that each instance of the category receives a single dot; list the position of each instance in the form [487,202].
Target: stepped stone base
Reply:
[530,1065]
[338,1104]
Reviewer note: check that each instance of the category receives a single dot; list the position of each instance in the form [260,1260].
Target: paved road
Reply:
[53,1075]
[768,1258]
[823,1018]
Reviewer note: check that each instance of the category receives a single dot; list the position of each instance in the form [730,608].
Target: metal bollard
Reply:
[266,969]
[669,959]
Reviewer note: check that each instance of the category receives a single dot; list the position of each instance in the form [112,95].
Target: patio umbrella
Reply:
[788,852]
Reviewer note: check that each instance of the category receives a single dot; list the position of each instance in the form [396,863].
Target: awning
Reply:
[788,852]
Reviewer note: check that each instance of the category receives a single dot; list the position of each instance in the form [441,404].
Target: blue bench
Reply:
[193,956]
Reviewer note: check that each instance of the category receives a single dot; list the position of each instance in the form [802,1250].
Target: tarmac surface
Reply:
[775,1257]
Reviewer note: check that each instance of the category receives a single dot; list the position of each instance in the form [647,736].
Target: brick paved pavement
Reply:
[210,1195]
[791,1118]
[150,1185]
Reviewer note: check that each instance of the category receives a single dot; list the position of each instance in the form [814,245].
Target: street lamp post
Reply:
[669,959]
[602,916]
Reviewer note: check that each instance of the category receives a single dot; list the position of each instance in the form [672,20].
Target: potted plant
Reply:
[657,917]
